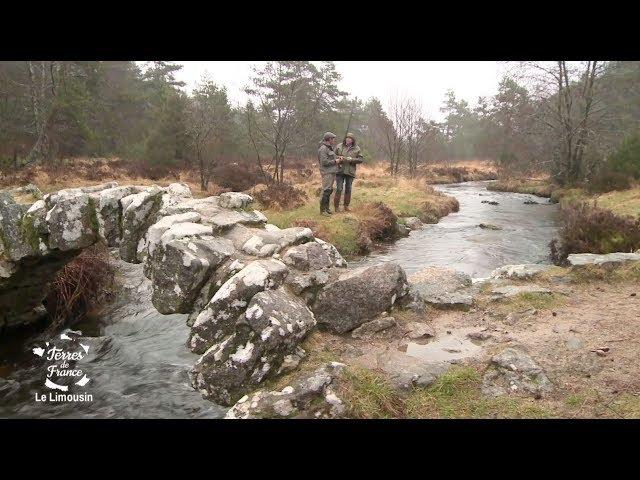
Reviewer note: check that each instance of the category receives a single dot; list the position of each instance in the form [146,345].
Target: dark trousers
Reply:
[344,180]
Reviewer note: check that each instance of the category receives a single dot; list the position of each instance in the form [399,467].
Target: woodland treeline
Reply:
[577,120]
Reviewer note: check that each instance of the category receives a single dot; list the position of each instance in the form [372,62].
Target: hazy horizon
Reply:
[426,81]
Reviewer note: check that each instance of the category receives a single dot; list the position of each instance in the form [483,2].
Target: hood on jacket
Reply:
[352,137]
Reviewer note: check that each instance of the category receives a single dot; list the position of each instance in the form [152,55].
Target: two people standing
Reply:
[337,164]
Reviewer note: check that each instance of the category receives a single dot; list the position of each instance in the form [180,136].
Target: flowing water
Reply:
[138,360]
[458,242]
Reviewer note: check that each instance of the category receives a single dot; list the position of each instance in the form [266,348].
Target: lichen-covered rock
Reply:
[234,200]
[18,239]
[359,296]
[225,219]
[442,287]
[157,230]
[110,212]
[72,221]
[309,256]
[224,272]
[219,317]
[138,214]
[180,190]
[311,395]
[513,371]
[269,329]
[181,270]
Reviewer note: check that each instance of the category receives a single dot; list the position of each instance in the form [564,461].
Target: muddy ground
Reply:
[585,336]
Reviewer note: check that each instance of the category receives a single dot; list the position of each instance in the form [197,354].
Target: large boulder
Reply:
[138,214]
[219,317]
[270,328]
[72,221]
[311,256]
[311,395]
[110,211]
[17,238]
[442,287]
[181,270]
[359,296]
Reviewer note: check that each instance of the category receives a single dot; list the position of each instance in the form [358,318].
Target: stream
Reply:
[458,242]
[138,360]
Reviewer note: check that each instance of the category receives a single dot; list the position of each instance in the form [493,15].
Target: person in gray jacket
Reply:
[329,163]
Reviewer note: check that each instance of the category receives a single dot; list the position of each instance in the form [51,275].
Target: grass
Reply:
[625,202]
[455,394]
[541,187]
[627,272]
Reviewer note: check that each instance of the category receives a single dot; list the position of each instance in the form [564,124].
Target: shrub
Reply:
[376,222]
[81,285]
[589,229]
[608,181]
[626,159]
[282,196]
[235,176]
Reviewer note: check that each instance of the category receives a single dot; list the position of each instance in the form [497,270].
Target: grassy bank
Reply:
[405,197]
[541,187]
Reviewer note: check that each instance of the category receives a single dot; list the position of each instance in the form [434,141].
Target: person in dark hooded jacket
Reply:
[351,156]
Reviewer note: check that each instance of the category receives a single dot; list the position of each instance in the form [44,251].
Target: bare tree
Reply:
[570,108]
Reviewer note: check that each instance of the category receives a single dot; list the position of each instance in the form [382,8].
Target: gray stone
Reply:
[513,371]
[109,212]
[406,372]
[234,200]
[442,287]
[359,295]
[308,396]
[414,223]
[489,226]
[138,214]
[72,221]
[416,330]
[525,270]
[508,291]
[17,239]
[270,329]
[581,259]
[402,229]
[311,256]
[367,329]
[219,317]
[180,269]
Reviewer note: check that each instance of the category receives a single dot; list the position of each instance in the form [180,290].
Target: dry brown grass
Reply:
[81,285]
[83,172]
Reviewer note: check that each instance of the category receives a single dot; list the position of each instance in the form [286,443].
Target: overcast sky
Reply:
[426,81]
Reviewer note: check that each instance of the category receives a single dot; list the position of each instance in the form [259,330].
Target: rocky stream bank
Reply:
[276,318]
